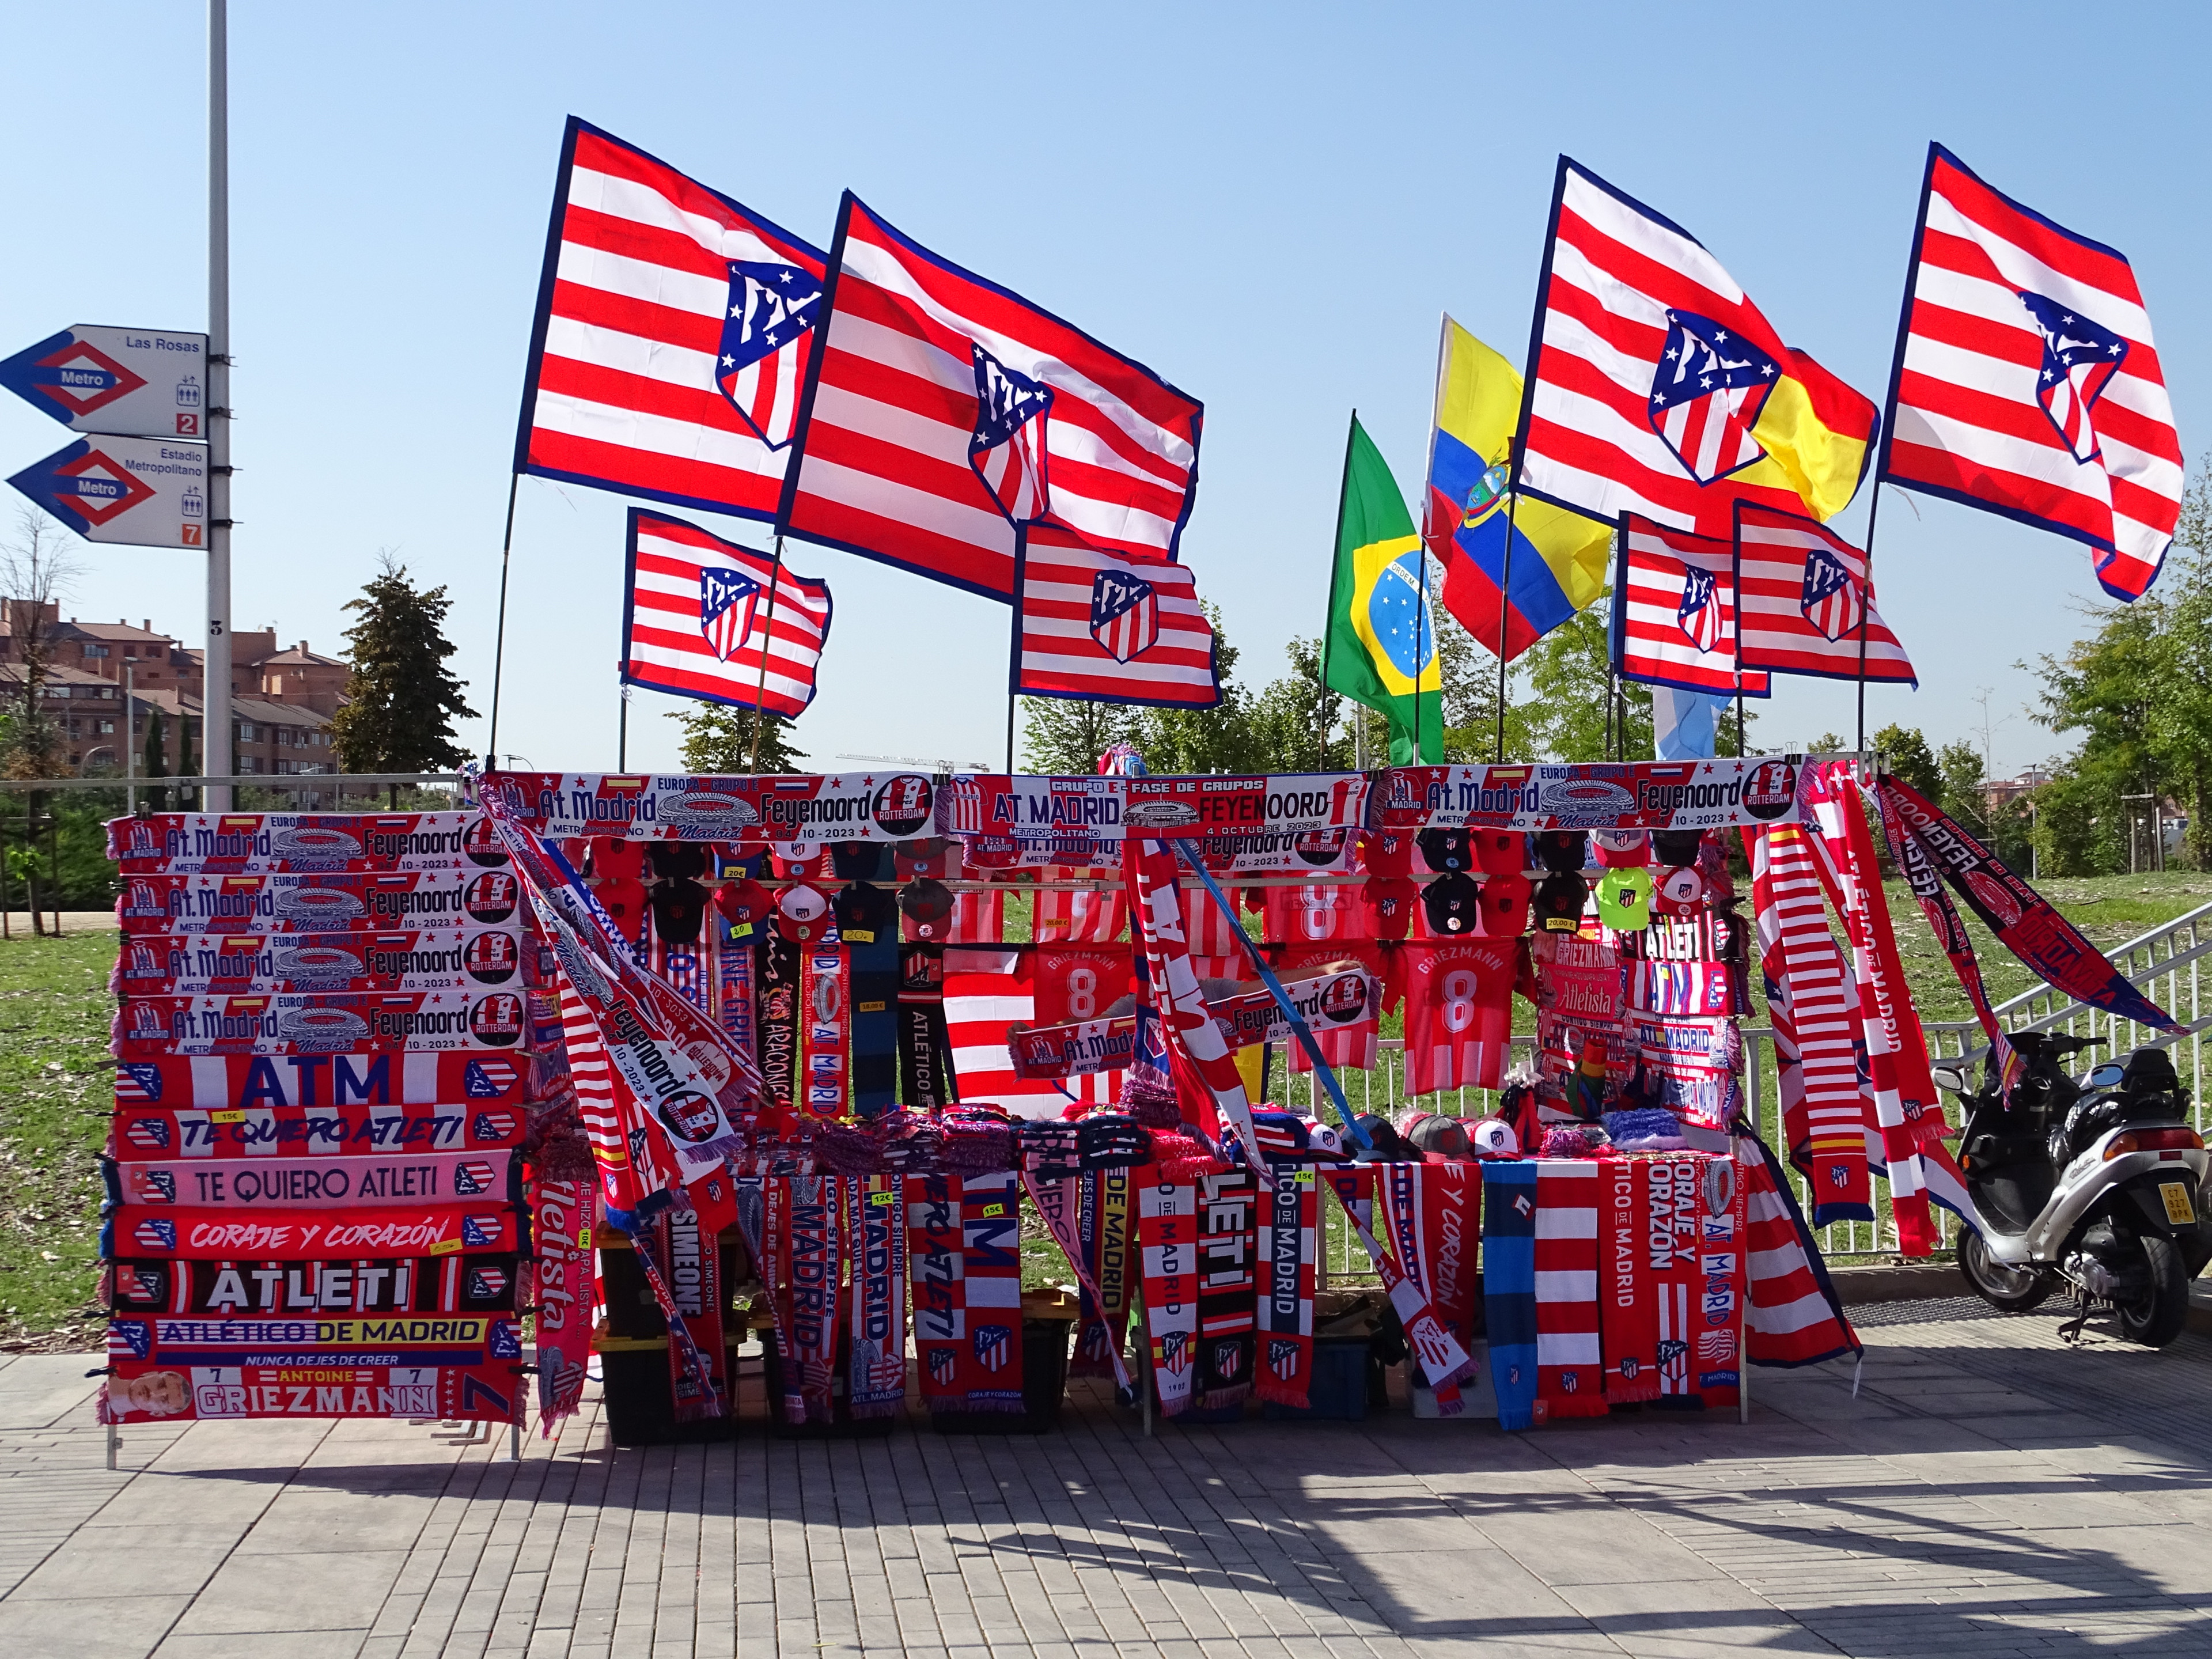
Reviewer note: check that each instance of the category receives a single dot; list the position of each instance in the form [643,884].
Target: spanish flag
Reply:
[1380,648]
[1559,558]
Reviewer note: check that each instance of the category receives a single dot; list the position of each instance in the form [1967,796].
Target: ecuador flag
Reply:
[1558,562]
[1381,645]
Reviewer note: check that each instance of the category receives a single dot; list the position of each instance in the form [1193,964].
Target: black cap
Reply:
[928,904]
[1559,903]
[1676,846]
[678,909]
[866,914]
[1447,850]
[859,861]
[1562,851]
[1454,904]
[675,860]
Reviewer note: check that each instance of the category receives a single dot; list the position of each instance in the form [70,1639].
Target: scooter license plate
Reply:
[2178,1209]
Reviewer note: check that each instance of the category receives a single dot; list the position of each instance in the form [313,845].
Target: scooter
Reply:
[2098,1185]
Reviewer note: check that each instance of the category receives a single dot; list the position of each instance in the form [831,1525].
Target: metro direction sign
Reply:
[147,492]
[134,382]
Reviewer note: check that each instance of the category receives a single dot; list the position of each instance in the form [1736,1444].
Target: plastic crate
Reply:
[1339,1384]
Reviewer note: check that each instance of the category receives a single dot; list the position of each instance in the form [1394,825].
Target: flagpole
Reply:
[499,645]
[1505,603]
[622,734]
[768,629]
[1866,606]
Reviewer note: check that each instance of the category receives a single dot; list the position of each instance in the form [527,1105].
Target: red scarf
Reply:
[1103,1222]
[990,1374]
[940,1307]
[1167,1229]
[1289,1215]
[1433,1236]
[1208,1081]
[775,1259]
[1695,1228]
[689,1260]
[878,1384]
[825,1021]
[816,1219]
[1442,1360]
[1628,1309]
[1067,1209]
[1570,1370]
[562,1214]
[1228,1285]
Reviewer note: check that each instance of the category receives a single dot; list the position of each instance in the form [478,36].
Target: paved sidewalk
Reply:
[1989,1493]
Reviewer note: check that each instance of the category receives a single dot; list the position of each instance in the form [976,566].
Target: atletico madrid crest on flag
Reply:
[1007,448]
[726,599]
[1125,614]
[1698,617]
[1706,396]
[1830,599]
[771,307]
[2079,359]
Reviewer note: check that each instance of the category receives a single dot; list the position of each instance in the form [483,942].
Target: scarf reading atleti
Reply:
[2024,924]
[1509,1287]
[925,1046]
[1227,1286]
[1061,1205]
[991,1271]
[1167,1230]
[562,1211]
[940,1304]
[816,1256]
[878,1384]
[1285,1299]
[824,1026]
[1570,1370]
[689,1260]
[1628,1314]
[778,1022]
[1442,1360]
[1101,1225]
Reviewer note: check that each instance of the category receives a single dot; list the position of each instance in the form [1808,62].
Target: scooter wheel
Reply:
[2014,1290]
[2156,1317]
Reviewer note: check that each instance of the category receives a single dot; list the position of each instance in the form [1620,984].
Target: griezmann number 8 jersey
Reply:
[1459,1013]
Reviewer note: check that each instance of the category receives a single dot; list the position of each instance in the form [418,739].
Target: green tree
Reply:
[188,764]
[718,740]
[402,699]
[1296,721]
[155,763]
[1065,736]
[1910,758]
[1959,765]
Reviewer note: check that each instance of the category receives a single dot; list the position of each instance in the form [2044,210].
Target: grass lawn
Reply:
[56,1092]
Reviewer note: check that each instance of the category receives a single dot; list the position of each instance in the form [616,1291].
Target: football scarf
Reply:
[925,1046]
[1907,1111]
[245,1287]
[873,964]
[1690,1062]
[1287,1260]
[2024,924]
[1442,1360]
[1796,947]
[991,1274]
[1509,1287]
[1579,1000]
[144,1134]
[1065,1205]
[189,1235]
[1426,1231]
[773,1252]
[824,1024]
[941,1303]
[1794,1318]
[562,1213]
[242,1082]
[320,1183]
[164,1390]
[1920,873]
[689,1260]
[1103,1222]
[878,1385]
[1628,1313]
[1694,1233]
[1228,1285]
[732,967]
[778,1022]
[684,968]
[815,1255]
[1208,1080]
[1167,1231]
[1570,1372]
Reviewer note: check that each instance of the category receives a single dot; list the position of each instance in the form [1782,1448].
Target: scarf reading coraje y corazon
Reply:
[878,1385]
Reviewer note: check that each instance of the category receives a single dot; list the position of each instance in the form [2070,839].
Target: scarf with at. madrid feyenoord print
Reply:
[1290,1220]
[1167,1233]
[689,1260]
[878,1384]
[1228,1285]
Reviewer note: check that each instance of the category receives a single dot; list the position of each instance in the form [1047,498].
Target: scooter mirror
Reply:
[1948,1076]
[2106,1076]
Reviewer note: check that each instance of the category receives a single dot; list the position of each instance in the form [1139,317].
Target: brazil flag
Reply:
[1381,645]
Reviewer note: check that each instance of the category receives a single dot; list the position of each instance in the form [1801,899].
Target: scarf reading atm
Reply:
[1227,1286]
[990,1363]
[1693,1215]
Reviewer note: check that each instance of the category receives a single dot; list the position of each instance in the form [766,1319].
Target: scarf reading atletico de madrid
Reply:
[1289,1217]
[1208,1081]
[1103,1241]
[1227,1286]
[1167,1230]
[878,1384]
[1628,1310]
[815,1262]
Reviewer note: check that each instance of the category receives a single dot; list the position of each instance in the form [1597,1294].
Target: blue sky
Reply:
[1270,205]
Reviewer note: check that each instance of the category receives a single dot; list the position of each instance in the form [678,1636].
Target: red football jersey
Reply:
[1077,983]
[1346,1035]
[1459,1013]
[1206,929]
[1330,914]
[1081,918]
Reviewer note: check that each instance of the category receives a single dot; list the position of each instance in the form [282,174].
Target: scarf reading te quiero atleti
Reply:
[1227,1286]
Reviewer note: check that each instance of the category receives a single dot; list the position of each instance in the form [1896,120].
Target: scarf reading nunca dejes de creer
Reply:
[1228,1285]
[1104,1224]
[1570,1370]
[1509,1287]
[1442,1360]
[1290,1215]
[877,1387]
[1167,1232]
[1067,1206]
[689,1261]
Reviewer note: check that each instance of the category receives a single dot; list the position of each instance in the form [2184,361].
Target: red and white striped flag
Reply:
[1096,625]
[1803,591]
[1674,610]
[2026,381]
[943,412]
[985,993]
[1656,386]
[673,331]
[698,618]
